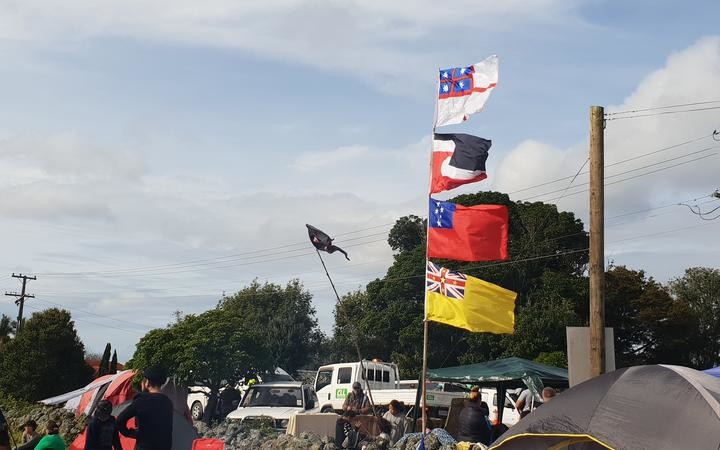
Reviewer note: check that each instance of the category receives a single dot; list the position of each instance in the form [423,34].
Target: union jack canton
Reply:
[447,283]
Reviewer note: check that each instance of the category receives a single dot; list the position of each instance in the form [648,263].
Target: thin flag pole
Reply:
[354,332]
[427,237]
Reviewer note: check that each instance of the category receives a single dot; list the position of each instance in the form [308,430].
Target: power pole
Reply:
[21,299]
[597,241]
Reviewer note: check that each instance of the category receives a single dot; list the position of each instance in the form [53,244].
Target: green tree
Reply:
[46,359]
[6,331]
[285,318]
[549,252]
[104,365]
[214,348]
[113,363]
[648,324]
[699,289]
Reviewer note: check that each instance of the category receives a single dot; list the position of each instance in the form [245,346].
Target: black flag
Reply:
[323,242]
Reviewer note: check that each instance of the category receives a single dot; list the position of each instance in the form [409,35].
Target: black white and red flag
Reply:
[323,242]
[457,159]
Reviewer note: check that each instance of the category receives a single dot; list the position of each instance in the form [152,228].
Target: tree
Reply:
[113,363]
[214,348]
[549,252]
[649,326]
[285,318]
[104,365]
[699,289]
[6,331]
[46,359]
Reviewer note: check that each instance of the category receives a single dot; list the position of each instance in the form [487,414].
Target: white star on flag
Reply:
[445,88]
[461,84]
[445,74]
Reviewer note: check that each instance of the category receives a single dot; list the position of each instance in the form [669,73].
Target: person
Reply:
[229,400]
[473,422]
[547,394]
[525,402]
[395,415]
[52,439]
[355,403]
[30,436]
[102,431]
[153,413]
[4,433]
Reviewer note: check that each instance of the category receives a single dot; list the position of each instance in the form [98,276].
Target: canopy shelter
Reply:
[645,407]
[504,374]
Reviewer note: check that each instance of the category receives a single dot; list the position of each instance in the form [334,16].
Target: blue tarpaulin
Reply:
[715,371]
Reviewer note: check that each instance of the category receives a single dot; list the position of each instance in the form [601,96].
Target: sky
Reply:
[159,154]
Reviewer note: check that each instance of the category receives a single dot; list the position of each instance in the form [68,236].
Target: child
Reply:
[102,431]
[52,439]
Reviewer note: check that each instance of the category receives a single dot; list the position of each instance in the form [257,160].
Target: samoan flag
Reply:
[464,90]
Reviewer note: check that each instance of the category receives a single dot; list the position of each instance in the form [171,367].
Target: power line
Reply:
[634,170]
[664,113]
[654,108]
[663,149]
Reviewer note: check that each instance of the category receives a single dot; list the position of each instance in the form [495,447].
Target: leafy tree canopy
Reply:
[46,359]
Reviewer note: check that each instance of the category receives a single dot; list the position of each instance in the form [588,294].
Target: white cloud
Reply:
[372,40]
[321,160]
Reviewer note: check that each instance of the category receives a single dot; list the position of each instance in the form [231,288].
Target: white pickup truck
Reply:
[333,382]
[197,398]
[275,402]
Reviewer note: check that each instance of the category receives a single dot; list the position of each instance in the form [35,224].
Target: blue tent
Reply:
[715,371]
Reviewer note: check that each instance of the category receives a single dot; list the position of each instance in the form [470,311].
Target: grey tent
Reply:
[645,407]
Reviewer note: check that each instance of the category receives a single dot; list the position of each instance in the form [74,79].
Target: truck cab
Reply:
[333,382]
[275,402]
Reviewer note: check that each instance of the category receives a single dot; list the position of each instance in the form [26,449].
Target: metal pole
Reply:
[354,332]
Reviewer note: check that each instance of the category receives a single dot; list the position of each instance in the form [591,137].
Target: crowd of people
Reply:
[152,411]
[473,422]
[153,414]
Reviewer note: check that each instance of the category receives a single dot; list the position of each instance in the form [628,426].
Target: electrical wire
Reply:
[633,170]
[632,111]
[663,113]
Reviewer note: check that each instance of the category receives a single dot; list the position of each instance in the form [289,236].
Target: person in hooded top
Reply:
[473,423]
[102,431]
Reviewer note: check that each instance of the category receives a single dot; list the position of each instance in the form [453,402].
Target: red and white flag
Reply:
[464,90]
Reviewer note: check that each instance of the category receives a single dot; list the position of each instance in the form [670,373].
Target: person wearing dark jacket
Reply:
[153,413]
[102,431]
[473,423]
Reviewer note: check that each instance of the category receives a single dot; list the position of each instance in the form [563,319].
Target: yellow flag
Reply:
[467,302]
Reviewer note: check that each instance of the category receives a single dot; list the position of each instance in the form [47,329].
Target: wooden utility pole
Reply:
[597,241]
[21,299]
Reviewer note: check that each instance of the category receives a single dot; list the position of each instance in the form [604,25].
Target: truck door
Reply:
[323,380]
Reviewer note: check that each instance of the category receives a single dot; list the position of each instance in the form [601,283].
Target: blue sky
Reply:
[155,133]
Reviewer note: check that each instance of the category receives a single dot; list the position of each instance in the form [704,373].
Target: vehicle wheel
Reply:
[327,409]
[196,411]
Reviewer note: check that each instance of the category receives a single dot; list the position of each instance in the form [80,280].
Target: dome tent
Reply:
[644,407]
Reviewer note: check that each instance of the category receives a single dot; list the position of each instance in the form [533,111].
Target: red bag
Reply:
[208,444]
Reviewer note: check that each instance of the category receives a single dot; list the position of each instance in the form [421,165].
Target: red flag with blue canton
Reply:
[467,233]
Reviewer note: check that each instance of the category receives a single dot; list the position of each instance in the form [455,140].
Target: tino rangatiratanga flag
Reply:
[323,242]
[457,159]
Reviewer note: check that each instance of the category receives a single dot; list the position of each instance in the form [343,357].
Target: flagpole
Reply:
[427,239]
[353,330]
